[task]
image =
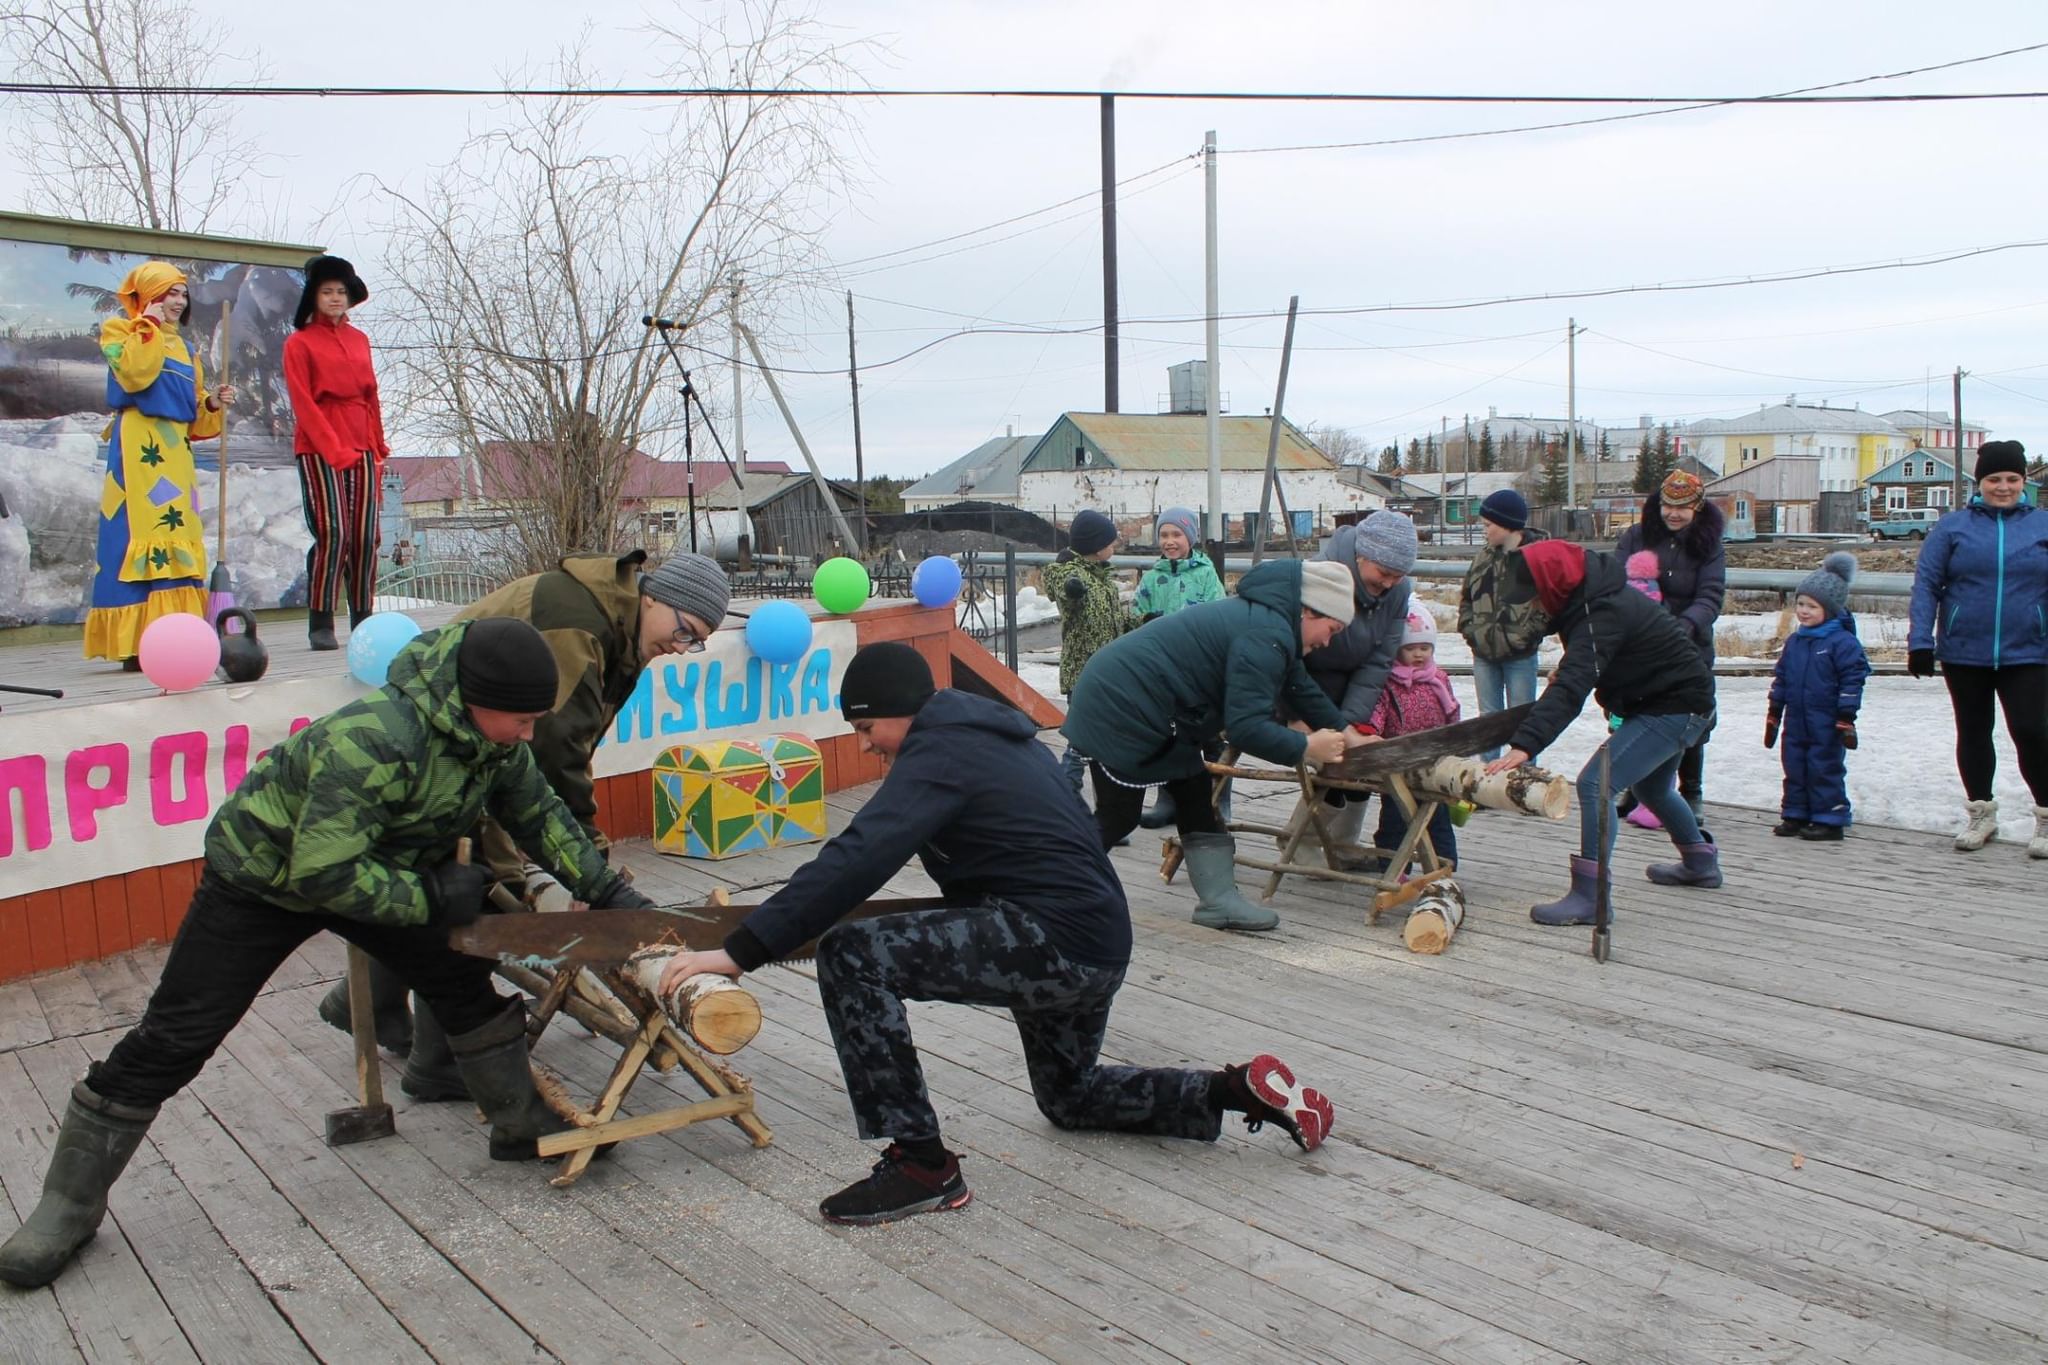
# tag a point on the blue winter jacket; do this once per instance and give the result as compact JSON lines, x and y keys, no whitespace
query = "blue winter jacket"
{"x":1980,"y":594}
{"x":976,"y":797}
{"x":1819,"y":678}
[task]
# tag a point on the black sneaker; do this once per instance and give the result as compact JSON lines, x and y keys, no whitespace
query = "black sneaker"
{"x":1788,"y":828}
{"x":1822,"y":833}
{"x":897,"y":1188}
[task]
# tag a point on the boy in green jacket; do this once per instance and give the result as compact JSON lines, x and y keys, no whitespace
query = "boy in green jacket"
{"x":1083,"y":587}
{"x":348,"y":826}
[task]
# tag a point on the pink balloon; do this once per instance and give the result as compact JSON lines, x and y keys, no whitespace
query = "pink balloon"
{"x":179,"y":652}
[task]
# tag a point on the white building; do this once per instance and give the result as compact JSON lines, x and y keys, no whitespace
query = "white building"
{"x":1849,"y":444}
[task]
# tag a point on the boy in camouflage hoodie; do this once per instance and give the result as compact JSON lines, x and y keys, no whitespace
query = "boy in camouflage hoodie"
{"x":1504,"y":635}
{"x":348,"y":826}
{"x":1091,"y":606}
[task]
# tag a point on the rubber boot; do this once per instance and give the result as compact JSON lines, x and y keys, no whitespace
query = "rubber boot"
{"x":1346,"y":824}
{"x":1212,"y":870}
{"x":1161,"y":813}
{"x":1700,"y":865}
{"x":1983,"y":826}
{"x":2037,"y":847}
{"x":1580,"y":905}
{"x":430,"y":1070}
{"x":93,"y":1147}
{"x":320,"y":630}
{"x":494,"y":1065}
{"x":387,"y":1008}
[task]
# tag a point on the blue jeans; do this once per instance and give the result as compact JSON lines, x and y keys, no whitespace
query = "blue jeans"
{"x":1502,"y":683}
{"x":1644,"y":754}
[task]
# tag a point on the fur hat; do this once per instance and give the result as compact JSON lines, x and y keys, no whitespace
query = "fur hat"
{"x":1420,"y":628}
{"x":319,"y":271}
{"x":1326,"y":590}
{"x":1505,"y":508}
{"x":1681,"y":489}
{"x":1643,"y":574}
{"x":1829,"y":584}
{"x":1387,"y":539}
{"x":2001,"y":457}
{"x":1190,"y":526}
{"x":1091,"y":531}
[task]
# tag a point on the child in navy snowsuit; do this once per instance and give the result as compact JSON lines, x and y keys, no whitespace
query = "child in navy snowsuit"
{"x":1816,"y":691}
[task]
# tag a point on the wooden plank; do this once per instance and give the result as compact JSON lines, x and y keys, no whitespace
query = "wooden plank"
{"x":110,"y":913}
{"x":122,"y":988}
{"x":33,"y":1326}
{"x":81,"y":923}
{"x":180,"y":881}
{"x":17,"y":959}
{"x":977,"y":670}
{"x":146,"y":907}
{"x":223,"y":1307}
{"x":22,"y":1023}
{"x":46,"y":930}
{"x":70,"y":1003}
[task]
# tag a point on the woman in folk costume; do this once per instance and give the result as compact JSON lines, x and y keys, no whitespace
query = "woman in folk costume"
{"x":340,"y":445}
{"x":152,"y":550}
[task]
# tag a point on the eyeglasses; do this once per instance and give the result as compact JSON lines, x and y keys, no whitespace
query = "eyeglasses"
{"x":686,"y":640}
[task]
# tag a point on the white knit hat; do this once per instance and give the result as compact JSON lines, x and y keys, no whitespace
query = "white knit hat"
{"x":1421,"y":627}
{"x":1326,"y":590}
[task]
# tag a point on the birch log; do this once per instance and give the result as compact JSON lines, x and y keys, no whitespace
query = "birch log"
{"x":719,"y":1014}
{"x":1532,"y":791}
{"x":1435,"y":918}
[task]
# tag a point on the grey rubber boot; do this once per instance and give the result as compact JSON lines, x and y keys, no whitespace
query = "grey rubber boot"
{"x":387,"y":1007}
{"x":1580,"y":905}
{"x":430,"y":1070}
{"x":1700,"y":866}
{"x":93,"y":1147}
{"x":1213,"y":873}
{"x":494,"y":1065}
{"x":1161,"y":813}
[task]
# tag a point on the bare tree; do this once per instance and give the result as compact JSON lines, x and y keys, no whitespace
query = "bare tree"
{"x":519,"y":272}
{"x":1341,"y":444}
{"x":128,"y":144}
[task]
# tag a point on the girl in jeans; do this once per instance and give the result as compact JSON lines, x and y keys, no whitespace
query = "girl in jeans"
{"x":1503,"y":634}
{"x":1642,"y":668}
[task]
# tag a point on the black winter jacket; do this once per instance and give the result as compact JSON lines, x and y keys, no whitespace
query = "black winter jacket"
{"x":1621,"y":647}
{"x":1692,"y":566}
{"x":975,"y":796}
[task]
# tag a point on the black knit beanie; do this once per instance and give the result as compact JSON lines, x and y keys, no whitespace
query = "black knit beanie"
{"x":2001,"y":457}
{"x":503,"y":664}
{"x":883,"y":680}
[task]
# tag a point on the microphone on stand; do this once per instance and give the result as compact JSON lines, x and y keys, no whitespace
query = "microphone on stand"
{"x":662,"y":324}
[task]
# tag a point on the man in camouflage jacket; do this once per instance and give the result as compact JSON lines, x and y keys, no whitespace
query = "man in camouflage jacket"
{"x":348,"y":826}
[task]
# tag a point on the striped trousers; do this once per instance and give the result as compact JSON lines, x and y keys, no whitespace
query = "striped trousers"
{"x":341,"y":512}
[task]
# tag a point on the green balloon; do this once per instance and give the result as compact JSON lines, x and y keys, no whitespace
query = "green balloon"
{"x":840,"y":585}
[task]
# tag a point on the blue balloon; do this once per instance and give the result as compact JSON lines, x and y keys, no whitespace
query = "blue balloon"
{"x":935,"y":582}
{"x":779,"y":632}
{"x":376,"y":642}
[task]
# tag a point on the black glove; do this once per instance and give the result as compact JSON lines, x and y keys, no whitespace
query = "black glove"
{"x":1772,"y":718}
{"x":456,"y":893}
{"x":1845,"y":726}
{"x":1920,"y":663}
{"x":1074,"y":588}
{"x":620,"y":895}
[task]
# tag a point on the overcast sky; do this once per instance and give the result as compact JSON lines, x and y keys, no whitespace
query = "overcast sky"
{"x":1700,"y":195}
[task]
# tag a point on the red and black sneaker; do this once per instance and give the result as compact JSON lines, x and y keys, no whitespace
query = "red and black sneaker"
{"x":897,"y":1188}
{"x":1307,"y":1115}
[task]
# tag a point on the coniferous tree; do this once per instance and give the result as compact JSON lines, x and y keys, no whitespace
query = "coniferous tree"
{"x":1553,"y":489}
{"x":1486,"y":450}
{"x":1604,"y":451}
{"x":1390,"y":458}
{"x":1414,"y":453}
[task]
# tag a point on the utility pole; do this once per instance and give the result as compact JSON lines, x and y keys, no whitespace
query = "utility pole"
{"x":739,"y":407}
{"x":1571,"y":421}
{"x":1272,"y":479}
{"x":1465,"y":465}
{"x":1958,"y":452}
{"x":860,"y":478}
{"x":1109,"y":358}
{"x":1213,"y":398}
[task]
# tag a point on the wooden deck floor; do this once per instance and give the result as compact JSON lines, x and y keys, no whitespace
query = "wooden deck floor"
{"x":1797,"y":1119}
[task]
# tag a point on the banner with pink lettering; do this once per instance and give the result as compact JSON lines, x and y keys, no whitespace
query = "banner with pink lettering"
{"x":95,"y":791}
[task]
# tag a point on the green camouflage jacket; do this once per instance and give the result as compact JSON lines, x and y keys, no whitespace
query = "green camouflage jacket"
{"x":344,"y":816}
{"x":1087,"y":621}
{"x":1496,"y":629}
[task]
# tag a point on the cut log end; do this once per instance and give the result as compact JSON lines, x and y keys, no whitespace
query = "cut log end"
{"x":1426,"y":932}
{"x":719,"y":1015}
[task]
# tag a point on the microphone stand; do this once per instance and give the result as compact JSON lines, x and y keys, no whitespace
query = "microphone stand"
{"x":661,"y":327}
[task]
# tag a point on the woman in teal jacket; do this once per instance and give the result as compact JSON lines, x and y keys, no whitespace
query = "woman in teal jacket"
{"x":1980,"y":606}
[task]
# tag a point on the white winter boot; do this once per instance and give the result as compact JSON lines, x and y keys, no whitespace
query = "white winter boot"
{"x":1983,"y":827}
{"x":2037,"y":847}
{"x":1345,"y":823}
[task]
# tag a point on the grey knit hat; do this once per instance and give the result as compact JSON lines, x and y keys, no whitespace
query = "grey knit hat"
{"x":690,"y":583}
{"x":1829,"y":584}
{"x":1388,"y":539}
{"x":1326,"y":590}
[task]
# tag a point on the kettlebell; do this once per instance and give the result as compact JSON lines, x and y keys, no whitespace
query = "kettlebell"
{"x":243,"y":658}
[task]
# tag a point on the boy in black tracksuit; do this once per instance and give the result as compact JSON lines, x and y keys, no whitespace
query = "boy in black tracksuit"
{"x":1038,"y":924}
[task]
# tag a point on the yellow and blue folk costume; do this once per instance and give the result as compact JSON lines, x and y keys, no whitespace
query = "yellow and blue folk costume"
{"x":152,"y":549}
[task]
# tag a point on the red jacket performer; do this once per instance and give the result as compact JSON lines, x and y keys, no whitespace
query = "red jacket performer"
{"x":340,"y":444}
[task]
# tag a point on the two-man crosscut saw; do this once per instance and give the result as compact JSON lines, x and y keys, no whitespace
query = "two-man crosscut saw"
{"x":606,"y":938}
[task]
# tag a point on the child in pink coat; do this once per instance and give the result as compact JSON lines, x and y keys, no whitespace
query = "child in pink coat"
{"x":1417,"y":696}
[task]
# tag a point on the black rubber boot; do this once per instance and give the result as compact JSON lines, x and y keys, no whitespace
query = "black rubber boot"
{"x":93,"y":1147}
{"x":387,"y":1008}
{"x":1162,"y":812}
{"x":320,"y":630}
{"x":494,"y":1065}
{"x":430,"y":1070}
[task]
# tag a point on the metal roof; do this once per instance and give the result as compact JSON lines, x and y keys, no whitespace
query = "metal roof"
{"x":1915,"y":417}
{"x":1782,"y":478}
{"x":987,"y":471}
{"x":1789,"y":419}
{"x":1176,"y":441}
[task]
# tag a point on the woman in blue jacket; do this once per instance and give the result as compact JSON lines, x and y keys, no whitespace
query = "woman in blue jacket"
{"x":1980,"y":606}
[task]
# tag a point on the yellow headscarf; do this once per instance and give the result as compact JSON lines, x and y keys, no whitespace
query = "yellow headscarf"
{"x":147,"y":283}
